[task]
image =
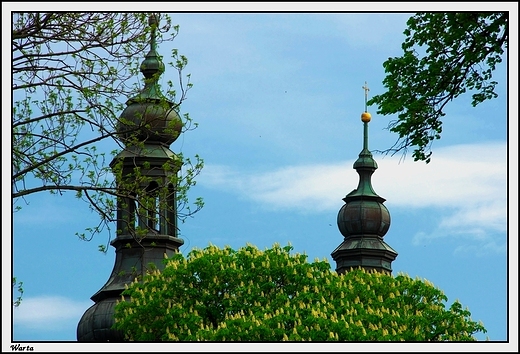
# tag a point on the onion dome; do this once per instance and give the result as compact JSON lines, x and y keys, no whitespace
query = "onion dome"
{"x":150,"y":116}
{"x":363,"y":220}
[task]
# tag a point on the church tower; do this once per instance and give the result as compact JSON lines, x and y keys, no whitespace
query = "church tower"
{"x":146,"y":174}
{"x":363,"y":220}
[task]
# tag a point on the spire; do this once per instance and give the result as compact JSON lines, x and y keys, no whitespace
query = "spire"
{"x":365,"y":118}
{"x":152,"y":66}
{"x":363,"y":220}
{"x":365,"y":164}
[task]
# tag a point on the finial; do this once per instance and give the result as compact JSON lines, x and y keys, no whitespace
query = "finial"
{"x":366,"y":94}
{"x":152,"y":66}
{"x":365,"y":116}
{"x":153,"y":22}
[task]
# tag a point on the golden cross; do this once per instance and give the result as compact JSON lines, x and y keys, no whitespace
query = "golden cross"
{"x":366,"y":94}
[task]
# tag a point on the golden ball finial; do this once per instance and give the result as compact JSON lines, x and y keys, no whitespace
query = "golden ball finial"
{"x":365,"y":117}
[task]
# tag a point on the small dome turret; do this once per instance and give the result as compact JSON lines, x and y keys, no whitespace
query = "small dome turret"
{"x":363,"y":220}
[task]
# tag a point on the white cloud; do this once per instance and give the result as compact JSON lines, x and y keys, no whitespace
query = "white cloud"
{"x":457,"y":176}
{"x":492,"y":214}
{"x":465,"y":185}
{"x":314,"y":188}
{"x":46,"y":313}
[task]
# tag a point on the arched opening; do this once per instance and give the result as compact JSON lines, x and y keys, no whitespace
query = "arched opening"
{"x":171,"y":212}
{"x":150,"y":219}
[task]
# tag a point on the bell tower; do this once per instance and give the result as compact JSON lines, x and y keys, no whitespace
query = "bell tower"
{"x":146,"y":176}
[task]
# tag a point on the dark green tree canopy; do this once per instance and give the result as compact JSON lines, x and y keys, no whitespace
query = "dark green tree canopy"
{"x":445,"y":55}
{"x":219,"y":294}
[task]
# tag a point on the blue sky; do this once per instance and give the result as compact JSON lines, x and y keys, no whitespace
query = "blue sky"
{"x":278,"y":98}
